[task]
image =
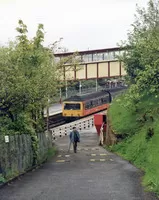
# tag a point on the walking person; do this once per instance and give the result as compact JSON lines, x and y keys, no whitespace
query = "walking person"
{"x":74,"y":138}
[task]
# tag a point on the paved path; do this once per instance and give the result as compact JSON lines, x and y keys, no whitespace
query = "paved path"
{"x":91,"y":174}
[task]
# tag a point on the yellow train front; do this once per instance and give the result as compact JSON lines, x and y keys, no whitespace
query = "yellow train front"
{"x":82,"y":105}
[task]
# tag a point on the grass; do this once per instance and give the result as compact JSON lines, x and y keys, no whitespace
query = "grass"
{"x":138,"y":146}
{"x":51,"y":153}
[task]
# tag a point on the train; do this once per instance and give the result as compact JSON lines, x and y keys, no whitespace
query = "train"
{"x":79,"y":106}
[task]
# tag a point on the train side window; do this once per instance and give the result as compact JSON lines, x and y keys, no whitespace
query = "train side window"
{"x":99,"y":102}
{"x":87,"y":105}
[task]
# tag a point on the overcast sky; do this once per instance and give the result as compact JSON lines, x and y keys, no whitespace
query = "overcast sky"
{"x":83,"y":24}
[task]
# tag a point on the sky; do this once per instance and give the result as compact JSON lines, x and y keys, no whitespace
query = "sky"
{"x":83,"y":24}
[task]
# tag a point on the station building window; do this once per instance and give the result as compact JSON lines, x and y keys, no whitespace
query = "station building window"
{"x":95,"y":57}
{"x":100,"y":56}
{"x":117,"y":53}
{"x":87,"y":58}
{"x":106,"y":56}
{"x":79,"y":58}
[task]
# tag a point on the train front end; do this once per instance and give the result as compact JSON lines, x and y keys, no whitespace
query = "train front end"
{"x":72,"y":110}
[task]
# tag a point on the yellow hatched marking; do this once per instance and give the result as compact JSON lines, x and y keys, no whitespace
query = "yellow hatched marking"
{"x":60,"y":161}
{"x":103,"y":154}
{"x":93,"y":154}
{"x":92,"y":160}
{"x":102,"y":160}
{"x":59,"y":156}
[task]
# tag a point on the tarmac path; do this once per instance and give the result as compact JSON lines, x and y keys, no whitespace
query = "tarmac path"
{"x":91,"y":174}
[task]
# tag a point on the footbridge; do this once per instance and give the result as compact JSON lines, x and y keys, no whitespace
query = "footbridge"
{"x":93,"y":64}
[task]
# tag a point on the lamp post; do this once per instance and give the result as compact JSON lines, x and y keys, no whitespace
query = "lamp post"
{"x":80,"y":87}
{"x":66,"y":89}
{"x":96,"y":84}
{"x":60,"y":96}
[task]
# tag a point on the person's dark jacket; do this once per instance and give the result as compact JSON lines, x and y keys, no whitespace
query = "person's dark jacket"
{"x":75,"y":136}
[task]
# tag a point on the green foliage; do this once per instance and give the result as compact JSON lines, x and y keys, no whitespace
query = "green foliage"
{"x":141,"y":59}
{"x":28,"y":77}
{"x":35,"y":147}
{"x":120,"y":111}
{"x":2,"y":179}
{"x":140,"y":132}
{"x":51,"y":152}
{"x":135,"y":115}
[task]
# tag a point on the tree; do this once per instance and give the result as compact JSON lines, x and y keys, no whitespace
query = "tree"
{"x":28,"y":76}
{"x":142,"y":55}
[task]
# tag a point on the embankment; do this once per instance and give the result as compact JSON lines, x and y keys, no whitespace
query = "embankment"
{"x":137,"y":131}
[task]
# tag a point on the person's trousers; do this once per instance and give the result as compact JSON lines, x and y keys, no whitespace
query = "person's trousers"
{"x":75,"y":147}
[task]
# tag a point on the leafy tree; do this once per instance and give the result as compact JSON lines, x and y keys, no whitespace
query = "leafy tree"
{"x":142,"y":56}
{"x":29,"y":76}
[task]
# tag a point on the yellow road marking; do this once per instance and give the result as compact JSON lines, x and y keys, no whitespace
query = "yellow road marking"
{"x":93,"y":154}
{"x":102,"y":160}
{"x":92,"y":160}
{"x":60,"y":161}
{"x":103,"y":154}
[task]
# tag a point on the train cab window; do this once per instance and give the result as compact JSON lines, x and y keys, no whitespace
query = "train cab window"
{"x":72,"y":106}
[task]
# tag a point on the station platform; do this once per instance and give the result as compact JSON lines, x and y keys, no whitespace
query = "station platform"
{"x":54,"y":109}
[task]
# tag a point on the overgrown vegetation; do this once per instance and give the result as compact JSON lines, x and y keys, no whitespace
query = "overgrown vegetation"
{"x":29,"y":80}
{"x":135,"y":115}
